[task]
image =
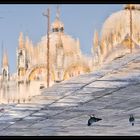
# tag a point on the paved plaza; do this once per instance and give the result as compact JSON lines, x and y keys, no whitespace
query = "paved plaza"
{"x":111,"y":93}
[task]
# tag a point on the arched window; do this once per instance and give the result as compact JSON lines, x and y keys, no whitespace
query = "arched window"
{"x":55,"y":29}
{"x":4,"y":73}
{"x":61,"y":29}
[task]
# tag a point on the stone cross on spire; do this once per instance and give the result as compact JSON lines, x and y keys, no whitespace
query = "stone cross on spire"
{"x":58,"y":13}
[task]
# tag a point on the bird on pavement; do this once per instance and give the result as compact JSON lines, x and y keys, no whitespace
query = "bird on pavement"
{"x":93,"y":119}
{"x":132,"y":119}
{"x":2,"y":110}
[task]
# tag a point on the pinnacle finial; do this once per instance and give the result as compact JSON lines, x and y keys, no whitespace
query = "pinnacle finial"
{"x":58,"y":12}
{"x":5,"y":58}
{"x":21,"y":40}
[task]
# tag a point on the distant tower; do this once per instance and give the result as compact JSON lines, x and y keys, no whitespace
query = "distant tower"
{"x":58,"y":26}
{"x":5,"y":67}
{"x":95,"y":49}
{"x":59,"y":60}
{"x":59,"y":66}
{"x":22,"y":64}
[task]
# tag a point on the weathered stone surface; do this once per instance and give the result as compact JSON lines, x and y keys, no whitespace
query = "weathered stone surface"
{"x":111,"y":93}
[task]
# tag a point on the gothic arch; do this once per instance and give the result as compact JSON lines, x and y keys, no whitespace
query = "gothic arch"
{"x":75,"y":70}
{"x":39,"y":69}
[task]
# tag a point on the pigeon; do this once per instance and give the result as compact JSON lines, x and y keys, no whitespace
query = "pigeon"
{"x":132,"y":119}
{"x":93,"y":119}
{"x":2,"y":110}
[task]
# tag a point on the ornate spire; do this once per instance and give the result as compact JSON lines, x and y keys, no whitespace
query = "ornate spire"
{"x":95,"y":40}
{"x":5,"y":59}
{"x":21,"y":41}
{"x":58,"y":13}
{"x":102,"y":45}
{"x":27,"y":43}
{"x":57,"y":25}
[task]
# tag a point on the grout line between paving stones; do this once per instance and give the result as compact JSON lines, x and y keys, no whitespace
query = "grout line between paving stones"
{"x":70,"y":93}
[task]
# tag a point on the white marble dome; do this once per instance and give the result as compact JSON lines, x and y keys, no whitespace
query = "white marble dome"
{"x":118,"y":24}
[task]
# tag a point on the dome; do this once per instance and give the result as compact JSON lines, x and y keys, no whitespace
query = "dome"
{"x":69,"y":43}
{"x":117,"y":26}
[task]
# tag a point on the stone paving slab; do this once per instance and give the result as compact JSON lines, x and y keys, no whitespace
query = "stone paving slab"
{"x":111,"y":93}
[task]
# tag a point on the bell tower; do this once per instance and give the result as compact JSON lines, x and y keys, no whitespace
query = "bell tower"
{"x":21,"y":59}
{"x":59,"y":65}
{"x":57,"y":25}
{"x":5,"y":67}
{"x":59,"y":60}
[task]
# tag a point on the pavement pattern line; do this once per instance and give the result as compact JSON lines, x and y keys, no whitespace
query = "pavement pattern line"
{"x":63,"y":111}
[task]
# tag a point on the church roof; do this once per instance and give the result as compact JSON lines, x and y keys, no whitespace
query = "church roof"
{"x":118,"y":24}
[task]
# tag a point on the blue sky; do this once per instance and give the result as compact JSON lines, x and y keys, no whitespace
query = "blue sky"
{"x":80,"y":20}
